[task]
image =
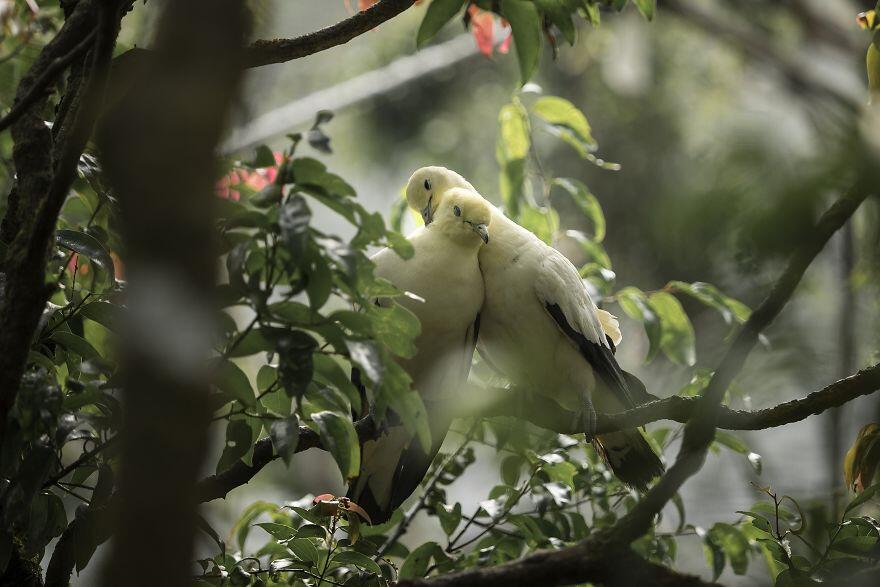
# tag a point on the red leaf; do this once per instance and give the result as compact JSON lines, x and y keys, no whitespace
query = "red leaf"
{"x":482,"y":28}
{"x":353,"y":507}
{"x":323,"y":497}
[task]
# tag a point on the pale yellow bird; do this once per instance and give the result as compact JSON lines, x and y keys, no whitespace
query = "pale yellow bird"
{"x":540,"y":328}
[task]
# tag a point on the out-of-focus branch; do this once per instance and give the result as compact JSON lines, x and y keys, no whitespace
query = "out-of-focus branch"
{"x":157,"y":145}
{"x":551,"y":416}
{"x":760,"y":50}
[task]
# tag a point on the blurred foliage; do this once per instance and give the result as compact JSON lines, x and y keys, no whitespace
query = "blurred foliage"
{"x":298,"y":300}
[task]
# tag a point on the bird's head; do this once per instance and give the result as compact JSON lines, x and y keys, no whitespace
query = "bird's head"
{"x":464,"y":216}
{"x":426,"y":187}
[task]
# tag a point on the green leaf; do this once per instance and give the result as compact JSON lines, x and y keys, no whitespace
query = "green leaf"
{"x":587,"y":202}
{"x":560,"y":12}
{"x":449,"y":516}
{"x":352,"y":557}
{"x":396,"y":328}
{"x":366,"y":355}
{"x":87,"y":246}
{"x":416,"y":564}
{"x":396,"y":392}
{"x":294,"y":223}
{"x":861,"y":498}
{"x":75,"y":344}
{"x":511,"y":150}
{"x":104,"y":313}
{"x":647,"y":8}
{"x":339,"y":437}
{"x":759,"y":521}
{"x":677,"y":338}
{"x":561,"y":112}
{"x":285,"y":436}
{"x":238,"y":442}
{"x":731,"y":442}
{"x":734,"y":544}
{"x":230,"y":379}
{"x":525,"y":24}
{"x":438,"y":14}
{"x":304,"y":549}
{"x":263,"y":157}
{"x":242,"y":527}
{"x":708,"y":294}
{"x":634,"y":302}
{"x":278,"y":531}
{"x":295,"y":367}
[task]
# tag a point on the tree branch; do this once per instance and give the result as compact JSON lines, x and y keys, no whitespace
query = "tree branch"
{"x":546,"y":414}
{"x":597,"y":557}
{"x":267,"y":52}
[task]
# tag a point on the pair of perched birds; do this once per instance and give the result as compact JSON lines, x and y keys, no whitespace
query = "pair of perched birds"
{"x":488,"y":283}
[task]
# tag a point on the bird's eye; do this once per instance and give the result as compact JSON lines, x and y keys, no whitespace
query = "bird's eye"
{"x":427,"y":184}
{"x":456,"y":210}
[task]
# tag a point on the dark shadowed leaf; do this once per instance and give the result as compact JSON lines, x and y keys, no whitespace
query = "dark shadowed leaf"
{"x":525,"y":23}
{"x":339,"y":437}
{"x":439,"y":13}
{"x":238,"y":443}
{"x":87,"y":246}
{"x":285,"y":436}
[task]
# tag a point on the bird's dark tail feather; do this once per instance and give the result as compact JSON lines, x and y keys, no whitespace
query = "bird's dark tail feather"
{"x":630,"y":457}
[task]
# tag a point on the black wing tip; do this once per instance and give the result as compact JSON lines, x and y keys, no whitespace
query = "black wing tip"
{"x":378,"y":514}
{"x":638,"y":466}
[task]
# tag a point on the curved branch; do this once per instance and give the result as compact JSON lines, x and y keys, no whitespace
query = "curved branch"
{"x":281,"y":50}
{"x":547,"y":414}
{"x":267,"y":52}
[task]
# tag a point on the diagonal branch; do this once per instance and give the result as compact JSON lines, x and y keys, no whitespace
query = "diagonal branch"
{"x":267,"y":52}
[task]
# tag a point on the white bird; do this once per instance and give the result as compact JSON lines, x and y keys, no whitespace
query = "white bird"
{"x":444,"y":272}
{"x":540,"y":328}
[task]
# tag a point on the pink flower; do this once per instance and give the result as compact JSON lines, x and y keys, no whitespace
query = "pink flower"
{"x":255,"y":180}
{"x":483,"y":30}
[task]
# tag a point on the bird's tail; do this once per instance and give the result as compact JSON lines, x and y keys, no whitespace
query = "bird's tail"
{"x":630,"y":457}
{"x":392,"y":467}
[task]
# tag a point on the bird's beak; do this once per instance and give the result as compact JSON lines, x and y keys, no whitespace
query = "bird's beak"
{"x":427,"y":212}
{"x":483,"y":231}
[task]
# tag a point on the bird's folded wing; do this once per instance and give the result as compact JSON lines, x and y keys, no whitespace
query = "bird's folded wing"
{"x":562,"y":293}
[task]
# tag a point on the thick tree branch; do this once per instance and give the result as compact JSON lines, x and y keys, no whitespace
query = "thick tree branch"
{"x":41,"y":188}
{"x":591,"y":560}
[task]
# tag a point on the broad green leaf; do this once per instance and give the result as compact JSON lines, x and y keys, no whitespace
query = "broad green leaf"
{"x":242,"y":527}
{"x":104,"y":313}
{"x":731,"y":442}
{"x":561,"y":112}
{"x":587,"y":202}
{"x":635,"y":303}
{"x":416,"y":564}
{"x":304,"y":549}
{"x":331,"y":372}
{"x":438,"y":14}
{"x":263,"y":157}
{"x":677,"y":338}
{"x":734,"y":544}
{"x":396,"y":328}
{"x":294,"y":224}
{"x":87,"y":246}
{"x":339,"y":437}
{"x":647,"y":8}
{"x":285,"y":437}
{"x":525,"y":24}
{"x":351,"y":557}
{"x":278,"y":531}
{"x":560,"y":12}
{"x":295,"y":367}
{"x":230,"y":379}
{"x":861,"y":498}
{"x":396,"y":392}
{"x":239,"y":438}
{"x":75,"y":344}
{"x":449,"y":516}
{"x":367,"y":357}
{"x":708,"y":294}
{"x":511,"y":150}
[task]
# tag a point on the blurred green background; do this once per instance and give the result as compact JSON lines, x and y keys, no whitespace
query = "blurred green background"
{"x":732,"y":122}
